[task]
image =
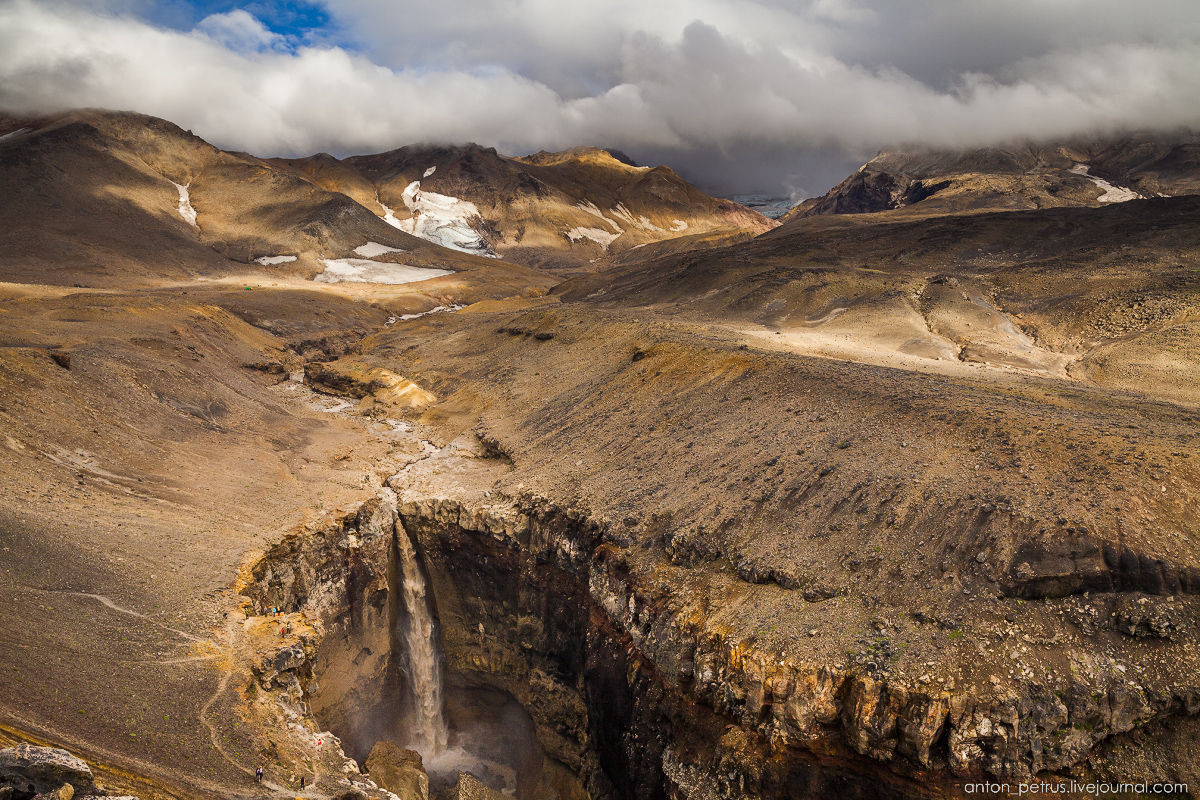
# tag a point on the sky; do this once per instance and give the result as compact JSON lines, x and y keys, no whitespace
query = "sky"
{"x":783,"y":97}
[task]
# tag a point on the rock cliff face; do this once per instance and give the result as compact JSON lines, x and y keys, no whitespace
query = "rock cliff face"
{"x":512,"y":597}
{"x":644,"y":686}
{"x":1057,"y":568}
{"x":342,"y":577}
{"x":637,"y":687}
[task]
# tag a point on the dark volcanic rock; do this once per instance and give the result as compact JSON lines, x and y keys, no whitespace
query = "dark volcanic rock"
{"x":42,"y":770}
{"x":1144,"y":617}
{"x":1056,"y":567}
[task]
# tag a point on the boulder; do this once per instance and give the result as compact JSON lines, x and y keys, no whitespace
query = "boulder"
{"x":471,"y":788}
{"x":1144,"y":616}
{"x":398,"y":770}
{"x":64,"y":792}
{"x":43,"y":770}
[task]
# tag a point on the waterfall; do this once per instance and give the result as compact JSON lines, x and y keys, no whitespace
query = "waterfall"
{"x":430,"y":734}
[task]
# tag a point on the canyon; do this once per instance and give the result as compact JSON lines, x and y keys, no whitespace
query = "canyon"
{"x":870,"y":505}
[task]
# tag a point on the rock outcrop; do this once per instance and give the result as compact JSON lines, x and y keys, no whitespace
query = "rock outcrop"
{"x":355,"y":379}
{"x":398,"y":770}
{"x":31,"y":770}
{"x":341,"y":577}
{"x":470,"y":788}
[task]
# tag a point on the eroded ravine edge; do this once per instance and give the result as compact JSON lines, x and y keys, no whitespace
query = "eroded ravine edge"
{"x":691,"y":698}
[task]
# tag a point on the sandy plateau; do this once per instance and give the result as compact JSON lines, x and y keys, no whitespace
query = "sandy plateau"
{"x":870,"y":504}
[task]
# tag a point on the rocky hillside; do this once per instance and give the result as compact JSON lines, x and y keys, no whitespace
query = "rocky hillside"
{"x":100,"y":198}
{"x":559,"y":211}
{"x":1019,"y":176}
{"x":1108,"y":294}
{"x":97,"y":197}
{"x":867,"y":506}
{"x":726,"y":564}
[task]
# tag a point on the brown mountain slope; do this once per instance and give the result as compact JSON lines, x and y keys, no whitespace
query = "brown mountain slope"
{"x":561,"y":211}
{"x":76,"y":208}
{"x":1028,"y":175}
{"x":813,"y":518}
{"x":1110,"y":295}
{"x":701,"y":558}
{"x":862,"y":581}
{"x":97,"y":198}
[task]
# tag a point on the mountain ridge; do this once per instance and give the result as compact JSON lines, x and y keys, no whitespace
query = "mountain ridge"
{"x":560,"y":211}
{"x":566,"y":211}
{"x":1022,"y":175}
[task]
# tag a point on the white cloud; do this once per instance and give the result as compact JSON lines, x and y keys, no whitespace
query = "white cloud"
{"x":692,"y":83}
{"x":240,"y":31}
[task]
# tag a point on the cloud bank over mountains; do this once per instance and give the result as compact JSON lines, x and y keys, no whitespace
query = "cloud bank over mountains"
{"x":742,"y":95}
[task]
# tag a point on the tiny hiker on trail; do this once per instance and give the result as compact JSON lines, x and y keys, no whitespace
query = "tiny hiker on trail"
{"x":258,"y":774}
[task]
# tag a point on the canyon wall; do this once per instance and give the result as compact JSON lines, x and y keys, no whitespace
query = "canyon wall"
{"x":636,"y":688}
{"x":342,"y":577}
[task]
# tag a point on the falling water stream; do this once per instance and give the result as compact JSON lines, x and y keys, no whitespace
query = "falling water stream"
{"x":430,"y":734}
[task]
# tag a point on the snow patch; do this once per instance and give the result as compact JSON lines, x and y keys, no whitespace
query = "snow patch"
{"x":1112,"y":194}
{"x":443,"y":220}
{"x":11,"y":134}
{"x":678,"y":225}
{"x":185,"y":204}
{"x":640,"y":221}
{"x":361,"y":270}
{"x":429,"y":172}
{"x":375,"y":249}
{"x":268,"y":261}
{"x":450,"y":309}
{"x":594,"y":210}
{"x":597,"y":235}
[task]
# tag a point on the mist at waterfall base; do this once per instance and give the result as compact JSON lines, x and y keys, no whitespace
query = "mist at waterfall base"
{"x":457,"y":727}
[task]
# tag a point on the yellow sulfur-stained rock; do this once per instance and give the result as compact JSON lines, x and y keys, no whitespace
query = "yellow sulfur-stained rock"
{"x":349,"y":377}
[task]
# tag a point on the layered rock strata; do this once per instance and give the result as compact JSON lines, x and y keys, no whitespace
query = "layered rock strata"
{"x":639,"y":687}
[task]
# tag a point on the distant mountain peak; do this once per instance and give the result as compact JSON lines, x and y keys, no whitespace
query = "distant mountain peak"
{"x":583,"y":154}
{"x":1017,"y":175}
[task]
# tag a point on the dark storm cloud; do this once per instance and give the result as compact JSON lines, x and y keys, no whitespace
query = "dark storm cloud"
{"x":738,"y":95}
{"x":936,"y":41}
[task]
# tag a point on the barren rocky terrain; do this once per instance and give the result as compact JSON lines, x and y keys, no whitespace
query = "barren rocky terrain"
{"x":870,"y":505}
{"x":1026,"y":175}
{"x":564,"y":212}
